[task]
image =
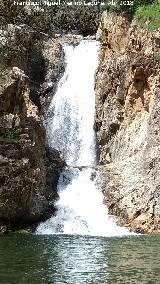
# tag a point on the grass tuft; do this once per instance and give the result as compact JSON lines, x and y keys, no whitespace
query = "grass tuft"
{"x":13,"y":135}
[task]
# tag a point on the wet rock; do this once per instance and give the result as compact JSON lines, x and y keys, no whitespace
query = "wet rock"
{"x":3,"y":230}
{"x":29,"y":170}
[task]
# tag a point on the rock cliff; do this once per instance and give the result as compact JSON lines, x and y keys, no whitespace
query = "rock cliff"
{"x":31,"y":65}
{"x":127,"y":121}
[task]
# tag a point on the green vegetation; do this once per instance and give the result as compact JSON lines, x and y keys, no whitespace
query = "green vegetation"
{"x":79,"y":19}
{"x":148,"y":16}
{"x":128,"y":6}
{"x":13,"y":135}
{"x":157,"y":56}
{"x":51,"y":19}
{"x":146,"y":12}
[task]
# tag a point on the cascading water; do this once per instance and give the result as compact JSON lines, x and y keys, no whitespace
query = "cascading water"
{"x":80,"y":208}
{"x":70,"y":125}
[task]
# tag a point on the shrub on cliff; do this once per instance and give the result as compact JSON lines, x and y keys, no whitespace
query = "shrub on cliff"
{"x":128,"y":6}
{"x":148,"y":16}
{"x":13,"y":134}
{"x":145,"y":12}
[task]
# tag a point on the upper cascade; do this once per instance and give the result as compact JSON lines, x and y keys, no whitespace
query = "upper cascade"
{"x":71,"y":113}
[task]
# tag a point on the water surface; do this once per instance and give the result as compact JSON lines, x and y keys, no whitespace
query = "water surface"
{"x":78,"y":259}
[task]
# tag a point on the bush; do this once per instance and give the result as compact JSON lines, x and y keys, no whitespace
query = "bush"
{"x":156,"y":56}
{"x":148,"y":16}
{"x":13,"y":135}
{"x":127,"y":6}
{"x":64,"y":18}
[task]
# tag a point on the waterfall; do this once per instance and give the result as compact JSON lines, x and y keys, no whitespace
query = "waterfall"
{"x":71,"y":113}
{"x":80,"y":208}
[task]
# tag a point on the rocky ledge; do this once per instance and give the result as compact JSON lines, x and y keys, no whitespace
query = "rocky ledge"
{"x":31,"y":65}
{"x":127,"y":121}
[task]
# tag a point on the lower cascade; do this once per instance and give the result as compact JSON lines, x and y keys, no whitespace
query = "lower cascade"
{"x":70,"y":118}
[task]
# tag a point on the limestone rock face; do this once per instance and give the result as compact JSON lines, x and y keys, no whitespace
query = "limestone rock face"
{"x":39,"y":56}
{"x":29,"y":170}
{"x":127,"y":121}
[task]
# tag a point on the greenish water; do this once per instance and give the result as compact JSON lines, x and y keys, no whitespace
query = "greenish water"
{"x":78,"y":259}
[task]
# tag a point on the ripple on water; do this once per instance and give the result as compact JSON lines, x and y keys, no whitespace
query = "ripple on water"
{"x":68,"y":259}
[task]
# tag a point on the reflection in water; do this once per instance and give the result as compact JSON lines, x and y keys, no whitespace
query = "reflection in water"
{"x":80,"y":260}
{"x":68,"y":259}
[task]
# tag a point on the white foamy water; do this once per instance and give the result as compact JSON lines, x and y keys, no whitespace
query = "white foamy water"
{"x":71,"y":113}
{"x":80,"y":208}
